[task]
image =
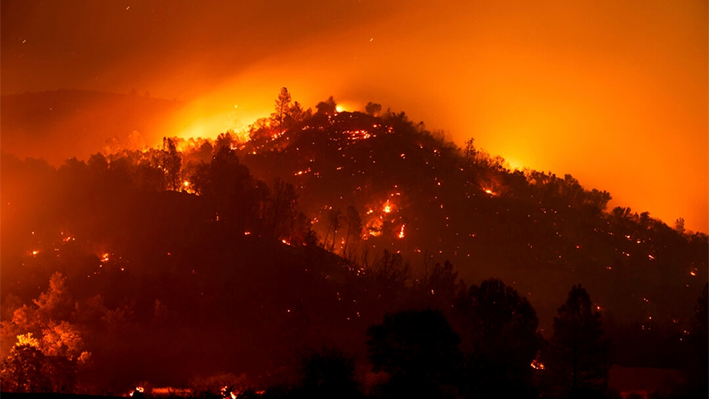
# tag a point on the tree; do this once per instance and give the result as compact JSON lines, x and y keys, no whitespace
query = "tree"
{"x":333,"y":218}
{"x":228,"y":186}
{"x":328,"y":374}
{"x":328,"y":107}
{"x":500,"y":340}
{"x":354,"y":226}
{"x":22,"y":370}
{"x":437,"y":287}
{"x":470,"y":152}
{"x":169,"y":160}
{"x":56,"y":302}
{"x":282,"y":108}
{"x":282,"y":209}
{"x":576,"y":357}
{"x":417,"y":348}
{"x":373,"y":109}
{"x":296,"y":114}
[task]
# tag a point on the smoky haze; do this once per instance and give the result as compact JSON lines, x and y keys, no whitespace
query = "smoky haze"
{"x":612,"y":93}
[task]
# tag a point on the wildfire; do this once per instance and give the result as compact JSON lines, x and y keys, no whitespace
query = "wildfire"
{"x":693,"y":273}
{"x":105,"y":257}
{"x":27,"y":339}
{"x":35,"y":252}
{"x":387,"y":207}
{"x":401,"y":233}
{"x":537,"y":365}
{"x":489,"y":191}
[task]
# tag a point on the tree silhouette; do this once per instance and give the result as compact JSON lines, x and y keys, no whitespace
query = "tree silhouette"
{"x":328,"y":374}
{"x":417,"y":348}
{"x":23,"y":370}
{"x":169,"y":160}
{"x":373,"y":109}
{"x":576,"y":357}
{"x":500,"y":340}
{"x":354,"y":226}
{"x":334,"y":219}
{"x":282,"y":108}
{"x":679,"y":225}
{"x":438,"y":286}
{"x":328,"y":107}
{"x":227,"y":185}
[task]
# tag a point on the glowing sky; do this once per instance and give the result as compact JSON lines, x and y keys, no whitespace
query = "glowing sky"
{"x":612,"y":92}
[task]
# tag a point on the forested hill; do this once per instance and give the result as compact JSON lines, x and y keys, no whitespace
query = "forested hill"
{"x":422,"y":196}
{"x":306,"y":235}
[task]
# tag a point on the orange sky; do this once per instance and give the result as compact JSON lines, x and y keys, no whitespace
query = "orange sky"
{"x":613,"y":92}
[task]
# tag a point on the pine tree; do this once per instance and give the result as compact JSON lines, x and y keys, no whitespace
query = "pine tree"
{"x":282,"y":108}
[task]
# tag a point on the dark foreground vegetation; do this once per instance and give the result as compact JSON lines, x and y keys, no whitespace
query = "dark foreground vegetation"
{"x":336,"y":255}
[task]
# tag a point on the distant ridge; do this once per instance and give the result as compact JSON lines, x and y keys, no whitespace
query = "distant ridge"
{"x":57,"y":125}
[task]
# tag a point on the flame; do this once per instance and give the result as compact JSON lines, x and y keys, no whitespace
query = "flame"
{"x":537,"y":365}
{"x":489,"y":191}
{"x":693,"y":273}
{"x":35,"y":252}
{"x":104,"y":257}
{"x":401,"y":233}
{"x":387,"y":207}
{"x":27,"y":339}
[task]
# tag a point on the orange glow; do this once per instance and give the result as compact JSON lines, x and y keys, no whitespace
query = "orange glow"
{"x":693,"y":273}
{"x":27,"y":339}
{"x":387,"y":207}
{"x":401,"y":233}
{"x":557,"y":92}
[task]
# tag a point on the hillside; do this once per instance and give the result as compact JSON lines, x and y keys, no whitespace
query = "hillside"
{"x":202,"y":258}
{"x":538,"y":231}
